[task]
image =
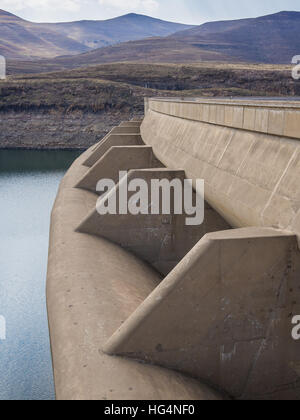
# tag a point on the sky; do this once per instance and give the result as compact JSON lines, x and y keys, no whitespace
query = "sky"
{"x":186,"y":11}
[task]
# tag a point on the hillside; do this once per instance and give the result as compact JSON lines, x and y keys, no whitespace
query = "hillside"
{"x":206,"y":79}
{"x":74,"y":109}
{"x":268,"y":39}
{"x":20,"y":39}
{"x":153,"y":50}
{"x":97,"y":34}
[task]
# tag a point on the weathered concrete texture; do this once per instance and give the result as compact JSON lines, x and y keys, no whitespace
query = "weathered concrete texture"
{"x":111,"y":140}
{"x":251,"y":179}
{"x":224,"y":315}
{"x":92,"y":287}
{"x":161,"y":240}
{"x":116,"y":159}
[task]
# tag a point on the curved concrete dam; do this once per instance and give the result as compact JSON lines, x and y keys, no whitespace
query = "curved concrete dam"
{"x":147,"y":307}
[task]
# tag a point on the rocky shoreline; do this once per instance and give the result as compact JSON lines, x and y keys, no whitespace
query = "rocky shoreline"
{"x":55,"y":130}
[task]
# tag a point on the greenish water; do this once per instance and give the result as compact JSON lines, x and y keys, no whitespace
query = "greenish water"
{"x":28,"y":186}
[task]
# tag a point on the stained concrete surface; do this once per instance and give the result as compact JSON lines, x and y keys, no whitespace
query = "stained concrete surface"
{"x":236,"y":290}
{"x":92,"y":287}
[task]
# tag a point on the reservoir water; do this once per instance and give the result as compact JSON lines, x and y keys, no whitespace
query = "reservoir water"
{"x":28,"y":186}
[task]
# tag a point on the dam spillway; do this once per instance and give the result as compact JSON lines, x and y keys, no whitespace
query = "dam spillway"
{"x":141,"y":307}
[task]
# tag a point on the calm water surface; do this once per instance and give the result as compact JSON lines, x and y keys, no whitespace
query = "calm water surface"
{"x":28,"y":186}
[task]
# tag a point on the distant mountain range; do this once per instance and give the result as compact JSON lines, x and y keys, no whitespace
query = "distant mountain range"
{"x":272,"y":39}
{"x":20,"y":39}
{"x":267,"y":39}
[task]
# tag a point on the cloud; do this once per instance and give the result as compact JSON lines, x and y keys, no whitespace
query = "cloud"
{"x":146,"y":6}
{"x":65,"y":5}
{"x":77,"y":5}
{"x":65,"y":10}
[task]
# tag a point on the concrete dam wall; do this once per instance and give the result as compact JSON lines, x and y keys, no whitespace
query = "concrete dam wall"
{"x":247,"y":153}
{"x":146,"y":307}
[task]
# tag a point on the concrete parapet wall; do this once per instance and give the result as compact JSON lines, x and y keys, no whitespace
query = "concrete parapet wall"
{"x":251,"y":175}
{"x":269,"y":117}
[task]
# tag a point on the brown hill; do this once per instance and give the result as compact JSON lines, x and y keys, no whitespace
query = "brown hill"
{"x":130,"y":27}
{"x":20,"y":39}
{"x":267,"y":39}
{"x":147,"y":50}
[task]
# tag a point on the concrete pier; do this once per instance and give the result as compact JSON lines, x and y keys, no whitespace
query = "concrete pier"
{"x":109,"y":141}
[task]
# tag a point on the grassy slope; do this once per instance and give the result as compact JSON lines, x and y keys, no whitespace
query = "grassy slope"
{"x":123,"y":86}
{"x":74,"y":109}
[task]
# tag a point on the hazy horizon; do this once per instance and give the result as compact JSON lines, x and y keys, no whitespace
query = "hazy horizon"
{"x":183,"y":11}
